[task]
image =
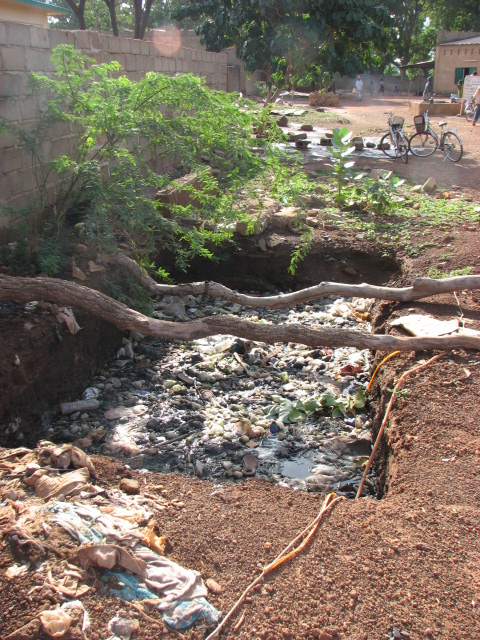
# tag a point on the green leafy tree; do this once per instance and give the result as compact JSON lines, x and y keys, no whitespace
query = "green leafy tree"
{"x":282,"y":38}
{"x":124,"y":130}
{"x":450,"y":15}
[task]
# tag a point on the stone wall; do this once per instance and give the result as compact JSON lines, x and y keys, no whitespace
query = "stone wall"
{"x":25,"y":48}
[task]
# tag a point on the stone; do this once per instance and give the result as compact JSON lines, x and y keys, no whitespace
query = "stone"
{"x":213,"y":586}
{"x":286,"y":219}
{"x":306,"y":127}
{"x":283,"y":121}
{"x":430,"y":186}
{"x":129,"y":486}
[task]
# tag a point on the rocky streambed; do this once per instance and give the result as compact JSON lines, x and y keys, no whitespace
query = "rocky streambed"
{"x":223,"y":408}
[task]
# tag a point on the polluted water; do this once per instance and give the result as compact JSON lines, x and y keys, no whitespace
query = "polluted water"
{"x":224,"y":409}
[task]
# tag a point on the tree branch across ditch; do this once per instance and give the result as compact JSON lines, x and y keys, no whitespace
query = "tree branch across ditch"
{"x":421,"y":288}
{"x":66,"y":293}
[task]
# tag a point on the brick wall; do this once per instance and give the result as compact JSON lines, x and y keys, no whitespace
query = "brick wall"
{"x":25,"y":48}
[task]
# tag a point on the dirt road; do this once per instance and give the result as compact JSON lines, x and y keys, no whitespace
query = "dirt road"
{"x":367,"y":118}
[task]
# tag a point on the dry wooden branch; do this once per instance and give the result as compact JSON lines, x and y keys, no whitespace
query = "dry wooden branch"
{"x":397,"y":386}
{"x":68,"y":293}
{"x":421,"y":288}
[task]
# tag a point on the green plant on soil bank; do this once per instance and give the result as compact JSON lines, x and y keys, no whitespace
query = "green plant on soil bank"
{"x":436,"y":273}
{"x":125,"y":133}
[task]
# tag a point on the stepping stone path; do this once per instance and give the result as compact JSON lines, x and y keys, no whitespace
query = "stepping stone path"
{"x":207,"y":407}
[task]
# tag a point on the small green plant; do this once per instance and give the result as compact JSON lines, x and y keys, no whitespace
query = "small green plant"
{"x":341,"y":150}
{"x":437,"y":274}
{"x":298,"y":411}
{"x":381,"y":193}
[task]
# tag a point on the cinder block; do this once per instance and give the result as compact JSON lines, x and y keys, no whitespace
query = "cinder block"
{"x":39,"y":38}
{"x":18,"y":34}
{"x":13,"y":59}
{"x":7,"y":141}
{"x":3,"y":33}
{"x":35,"y":60}
{"x":114,"y":44}
{"x":126,"y":45}
{"x":181,"y":53}
{"x":130,"y":63}
{"x":148,"y":63}
{"x":22,"y":181}
{"x":136,"y":46}
{"x":12,"y":160}
{"x":82,"y":40}
{"x":56,"y":37}
{"x":60,"y":147}
{"x":12,"y":84}
{"x":121,"y":58}
{"x":29,"y":109}
{"x":159,"y":64}
{"x":21,"y":200}
{"x":146,"y":48}
{"x":95,"y":40}
{"x":10,"y":110}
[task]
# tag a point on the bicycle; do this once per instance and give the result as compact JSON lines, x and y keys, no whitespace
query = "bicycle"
{"x":394,"y":144}
{"x":425,"y":141}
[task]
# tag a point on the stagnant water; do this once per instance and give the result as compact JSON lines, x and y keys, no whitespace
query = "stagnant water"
{"x":223,"y":409}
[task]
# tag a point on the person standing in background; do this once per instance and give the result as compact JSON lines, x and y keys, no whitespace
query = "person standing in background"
{"x":381,"y":89}
{"x":359,"y":87}
{"x":476,"y":101}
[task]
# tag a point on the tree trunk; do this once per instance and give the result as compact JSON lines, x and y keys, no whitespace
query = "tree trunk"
{"x":79,"y":12}
{"x":113,"y":15}
{"x":65,"y":293}
{"x":141,"y":17}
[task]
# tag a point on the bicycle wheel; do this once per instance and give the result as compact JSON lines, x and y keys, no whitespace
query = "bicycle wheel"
{"x":387,"y":145}
{"x":469,"y":114}
{"x":422,"y":144}
{"x":452,"y":146}
{"x":403,"y":146}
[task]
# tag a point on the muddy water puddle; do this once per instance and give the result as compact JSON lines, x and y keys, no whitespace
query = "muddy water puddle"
{"x":224,"y":409}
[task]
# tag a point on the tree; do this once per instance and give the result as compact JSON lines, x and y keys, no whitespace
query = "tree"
{"x":79,"y":12}
{"x":451,"y":15}
{"x":113,"y":15}
{"x":284,"y":37}
{"x":141,"y":13}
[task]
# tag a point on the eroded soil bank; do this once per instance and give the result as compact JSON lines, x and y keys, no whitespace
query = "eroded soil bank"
{"x":408,"y":561}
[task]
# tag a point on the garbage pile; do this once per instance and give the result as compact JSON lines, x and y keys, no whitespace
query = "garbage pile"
{"x":117,"y":542}
{"x":223,"y":408}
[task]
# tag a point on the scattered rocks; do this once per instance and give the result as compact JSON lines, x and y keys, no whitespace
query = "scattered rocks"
{"x":210,"y":408}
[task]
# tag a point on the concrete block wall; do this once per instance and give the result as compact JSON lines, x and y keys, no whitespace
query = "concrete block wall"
{"x":25,"y":48}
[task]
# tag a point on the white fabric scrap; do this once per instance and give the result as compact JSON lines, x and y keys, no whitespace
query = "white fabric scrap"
{"x":66,"y":315}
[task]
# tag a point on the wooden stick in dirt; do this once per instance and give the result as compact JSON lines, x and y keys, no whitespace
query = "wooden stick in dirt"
{"x":421,"y":288}
{"x":387,"y":413}
{"x":66,"y":293}
{"x":282,"y":557}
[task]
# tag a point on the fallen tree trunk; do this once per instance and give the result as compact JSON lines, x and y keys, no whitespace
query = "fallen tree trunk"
{"x":421,"y":288}
{"x":65,"y":293}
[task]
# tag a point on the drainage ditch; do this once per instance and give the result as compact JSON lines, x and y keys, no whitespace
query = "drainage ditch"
{"x":224,"y":409}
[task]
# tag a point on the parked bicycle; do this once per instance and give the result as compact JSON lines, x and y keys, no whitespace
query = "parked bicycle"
{"x":425,"y":141}
{"x":394,"y":144}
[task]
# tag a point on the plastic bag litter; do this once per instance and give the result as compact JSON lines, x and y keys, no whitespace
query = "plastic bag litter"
{"x":108,"y":556}
{"x":62,"y":457}
{"x":47,"y":487}
{"x":66,"y":315}
{"x":178,"y":614}
{"x":55,"y":622}
{"x":123,"y":627}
